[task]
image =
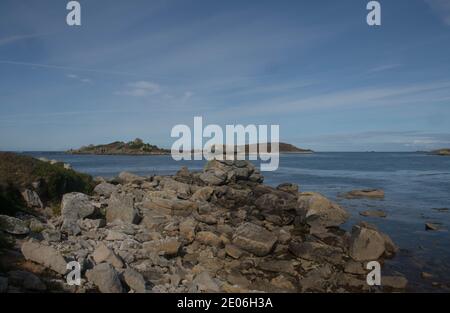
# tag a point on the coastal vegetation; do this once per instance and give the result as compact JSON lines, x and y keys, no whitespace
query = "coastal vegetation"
{"x":50,"y":181}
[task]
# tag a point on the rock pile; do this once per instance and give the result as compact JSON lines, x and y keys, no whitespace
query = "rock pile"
{"x":219,"y":230}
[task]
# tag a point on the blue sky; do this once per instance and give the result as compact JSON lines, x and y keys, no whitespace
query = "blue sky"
{"x":136,"y":68}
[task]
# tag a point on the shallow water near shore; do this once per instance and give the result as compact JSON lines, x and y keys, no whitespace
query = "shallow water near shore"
{"x":415,"y":184}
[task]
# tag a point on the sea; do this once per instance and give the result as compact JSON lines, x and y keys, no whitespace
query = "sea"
{"x":416,"y":185}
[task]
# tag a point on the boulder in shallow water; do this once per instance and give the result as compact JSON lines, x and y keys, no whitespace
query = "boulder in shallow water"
{"x":365,"y":193}
{"x":369,"y":244}
{"x":319,"y":212}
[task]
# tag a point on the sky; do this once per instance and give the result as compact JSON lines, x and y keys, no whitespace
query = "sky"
{"x":137,"y":68}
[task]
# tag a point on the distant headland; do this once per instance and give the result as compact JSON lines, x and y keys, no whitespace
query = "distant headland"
{"x":443,"y":152}
{"x":138,"y":147}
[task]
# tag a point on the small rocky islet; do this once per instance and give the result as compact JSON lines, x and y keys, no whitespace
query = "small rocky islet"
{"x":217,"y":230}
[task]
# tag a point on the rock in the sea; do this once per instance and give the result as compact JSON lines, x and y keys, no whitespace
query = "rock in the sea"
{"x":32,"y":199}
{"x":254,"y":239}
{"x":75,"y":206}
{"x":373,"y":213}
{"x":44,"y":255}
{"x":27,"y":280}
{"x":365,"y":193}
{"x":135,"y":280}
{"x":104,"y":254}
{"x":105,"y":277}
{"x":13,"y":225}
{"x":319,"y":212}
{"x":121,"y":207}
{"x":431,"y":226}
{"x":105,"y":189}
{"x":368,"y":244}
{"x":394,"y":282}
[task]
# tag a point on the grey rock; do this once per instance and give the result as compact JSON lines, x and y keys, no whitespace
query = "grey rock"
{"x":51,"y":235}
{"x":105,"y":189}
{"x":32,"y":199}
{"x":394,"y":282}
{"x":254,"y":239}
{"x":44,"y":255}
{"x":75,"y":206}
{"x":104,"y":254}
{"x":105,"y":277}
{"x":204,"y":283}
{"x":135,"y":280}
{"x":121,"y":207}
{"x":368,"y":244}
{"x":127,"y":177}
{"x":13,"y":225}
{"x":319,"y":212}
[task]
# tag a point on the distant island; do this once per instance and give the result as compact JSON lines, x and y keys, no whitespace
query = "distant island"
{"x":138,"y":147}
{"x":444,"y":152}
{"x":135,"y":147}
{"x":283,"y":148}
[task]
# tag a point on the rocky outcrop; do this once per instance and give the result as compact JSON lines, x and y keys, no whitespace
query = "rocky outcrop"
{"x":220,"y":232}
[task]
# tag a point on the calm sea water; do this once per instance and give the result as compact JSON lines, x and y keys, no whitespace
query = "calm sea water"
{"x":415,"y":185}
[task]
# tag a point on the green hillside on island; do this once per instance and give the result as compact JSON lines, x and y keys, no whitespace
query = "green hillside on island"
{"x":135,"y":147}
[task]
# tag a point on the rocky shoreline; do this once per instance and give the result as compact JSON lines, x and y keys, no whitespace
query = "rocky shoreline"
{"x":218,"y":230}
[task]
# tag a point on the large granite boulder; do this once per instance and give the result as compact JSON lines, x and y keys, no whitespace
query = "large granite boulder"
{"x":44,"y":255}
{"x":75,"y":206}
{"x":369,"y":244}
{"x":121,"y":207}
{"x":319,"y":212}
{"x":254,"y":239}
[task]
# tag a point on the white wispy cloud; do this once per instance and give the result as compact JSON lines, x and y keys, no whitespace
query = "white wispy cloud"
{"x":78,"y":78}
{"x":441,"y":8}
{"x":382,"y":68}
{"x":15,"y":38}
{"x":140,"y":89}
